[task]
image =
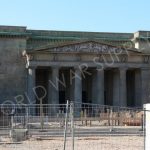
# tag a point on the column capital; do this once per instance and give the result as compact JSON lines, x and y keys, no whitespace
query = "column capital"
{"x":32,"y":67}
{"x":55,"y":67}
{"x":100,"y":68}
{"x":78,"y":67}
{"x":145,"y":68}
{"x":31,"y":71}
{"x":123,"y":68}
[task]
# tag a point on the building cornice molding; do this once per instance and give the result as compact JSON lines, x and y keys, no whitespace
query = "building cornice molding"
{"x":14,"y":34}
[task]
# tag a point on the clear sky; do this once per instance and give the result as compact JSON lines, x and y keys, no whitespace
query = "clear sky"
{"x":77,"y":15}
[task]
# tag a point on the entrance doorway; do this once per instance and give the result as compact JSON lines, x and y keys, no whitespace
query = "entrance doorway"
{"x":131,"y":88}
{"x":108,"y":87}
{"x":41,"y":88}
{"x":62,"y":97}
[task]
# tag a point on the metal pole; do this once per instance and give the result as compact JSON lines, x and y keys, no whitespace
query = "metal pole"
{"x":144,"y":123}
{"x":111,"y":119}
{"x":72,"y":122}
{"x":41,"y":115}
{"x":12,"y":117}
{"x":12,"y":122}
{"x":27,"y":116}
{"x":66,"y":124}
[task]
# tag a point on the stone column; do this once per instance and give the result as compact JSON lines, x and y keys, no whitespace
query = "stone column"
{"x":116,"y":88}
{"x":100,"y":86}
{"x":123,"y":87}
{"x":78,"y":86}
{"x":54,"y":93}
{"x":138,"y":100}
{"x":145,"y":76}
{"x":77,"y":91}
{"x":49,"y":86}
{"x":71,"y":86}
{"x":94,"y":87}
{"x":55,"y":85}
{"x":31,"y":89}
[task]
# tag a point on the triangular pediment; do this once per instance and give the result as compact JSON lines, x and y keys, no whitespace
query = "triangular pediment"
{"x":85,"y":47}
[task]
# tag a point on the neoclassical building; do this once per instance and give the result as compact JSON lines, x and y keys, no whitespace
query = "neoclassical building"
{"x":85,"y":67}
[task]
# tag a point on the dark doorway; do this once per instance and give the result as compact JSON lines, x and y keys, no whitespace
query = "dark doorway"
{"x":84,"y":97}
{"x":87,"y":87}
{"x":108,"y":86}
{"x":62,"y":97}
{"x":64,"y":85}
{"x":41,"y":87}
{"x":131,"y":88}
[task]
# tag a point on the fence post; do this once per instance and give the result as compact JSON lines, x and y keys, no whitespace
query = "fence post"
{"x":108,"y":115}
{"x":111,"y":119}
{"x":72,"y":122}
{"x":66,"y":124}
{"x":147,"y":126}
{"x":142,"y":122}
{"x":27,"y":117}
{"x":41,"y":115}
{"x":12,"y":114}
{"x":82,"y":115}
{"x":12,"y":122}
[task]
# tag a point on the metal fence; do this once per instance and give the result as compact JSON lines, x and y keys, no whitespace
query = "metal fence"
{"x":71,"y":126}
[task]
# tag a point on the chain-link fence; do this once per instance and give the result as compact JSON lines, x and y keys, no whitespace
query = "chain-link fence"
{"x":71,"y":126}
{"x":108,"y":127}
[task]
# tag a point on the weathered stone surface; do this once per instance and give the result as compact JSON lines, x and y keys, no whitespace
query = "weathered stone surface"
{"x":145,"y":76}
{"x":19,"y":134}
{"x":13,"y":75}
{"x":48,"y":49}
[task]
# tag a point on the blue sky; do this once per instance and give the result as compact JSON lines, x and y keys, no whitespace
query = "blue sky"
{"x":77,"y":15}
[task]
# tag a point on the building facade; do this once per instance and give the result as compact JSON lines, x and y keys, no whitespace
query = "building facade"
{"x":85,"y":67}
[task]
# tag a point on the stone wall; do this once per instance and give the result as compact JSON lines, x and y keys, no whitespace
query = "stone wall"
{"x":14,"y":40}
{"x":12,"y":68}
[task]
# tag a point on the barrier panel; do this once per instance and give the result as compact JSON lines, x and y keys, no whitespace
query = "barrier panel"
{"x":71,"y":126}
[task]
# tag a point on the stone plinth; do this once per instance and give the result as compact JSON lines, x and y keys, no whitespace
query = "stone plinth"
{"x":19,"y":134}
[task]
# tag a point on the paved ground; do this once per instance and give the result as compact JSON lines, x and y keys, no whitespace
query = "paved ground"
{"x":89,"y":143}
{"x":87,"y":138}
{"x":85,"y":131}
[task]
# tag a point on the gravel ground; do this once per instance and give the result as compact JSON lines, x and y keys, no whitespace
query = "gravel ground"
{"x":86,"y":143}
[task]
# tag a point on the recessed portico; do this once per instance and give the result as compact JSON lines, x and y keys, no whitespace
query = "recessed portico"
{"x":89,"y":72}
